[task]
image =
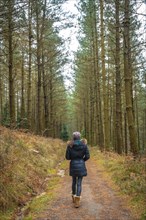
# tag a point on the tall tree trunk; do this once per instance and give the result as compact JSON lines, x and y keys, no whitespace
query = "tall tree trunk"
{"x":128,"y":79}
{"x":126,"y":140}
{"x":119,"y":143}
{"x":91,"y":114}
{"x":100,"y":138}
{"x":93,"y":71}
{"x":1,"y":92}
{"x":137,"y":117}
{"x":51,"y":104}
{"x":113,"y":101}
{"x":29,"y":65}
{"x":144,"y":131}
{"x":1,"y":95}
{"x":40,"y":36}
{"x":10,"y":63}
{"x":46,"y":109}
{"x":22,"y":90}
{"x":43,"y":73}
{"x":38,"y":110}
{"x":87,"y":116}
{"x":105,"y":98}
{"x":18,"y":110}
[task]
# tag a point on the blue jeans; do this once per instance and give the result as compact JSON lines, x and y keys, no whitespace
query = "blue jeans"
{"x":77,"y":185}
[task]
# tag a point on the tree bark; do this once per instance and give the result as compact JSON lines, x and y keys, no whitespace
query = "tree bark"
{"x":1,"y":90}
{"x":1,"y":95}
{"x":126,"y":141}
{"x":29,"y":65}
{"x":22,"y":90}
{"x":128,"y":80}
{"x":38,"y":110}
{"x":104,"y":88}
{"x":46,"y":109}
{"x":10,"y":64}
{"x":119,"y":143}
{"x":100,"y":137}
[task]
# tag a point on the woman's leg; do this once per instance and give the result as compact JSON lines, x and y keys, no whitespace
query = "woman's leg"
{"x":79,"y":185}
{"x":74,"y":185}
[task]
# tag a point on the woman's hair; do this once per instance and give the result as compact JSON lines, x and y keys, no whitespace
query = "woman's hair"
{"x":76,"y":135}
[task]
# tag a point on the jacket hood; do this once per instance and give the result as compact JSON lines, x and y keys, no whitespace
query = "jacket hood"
{"x":78,"y":145}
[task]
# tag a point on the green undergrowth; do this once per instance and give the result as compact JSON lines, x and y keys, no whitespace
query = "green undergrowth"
{"x":64,"y":165}
{"x":26,"y":161}
{"x":40,"y":203}
{"x":128,"y":174}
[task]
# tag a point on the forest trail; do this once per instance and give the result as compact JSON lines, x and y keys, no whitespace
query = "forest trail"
{"x":99,"y":201}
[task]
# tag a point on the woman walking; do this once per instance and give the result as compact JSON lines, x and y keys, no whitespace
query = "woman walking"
{"x":77,"y":152}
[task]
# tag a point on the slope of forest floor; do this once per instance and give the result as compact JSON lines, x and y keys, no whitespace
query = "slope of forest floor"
{"x":27,"y":163}
{"x":35,"y":184}
{"x":127,"y":176}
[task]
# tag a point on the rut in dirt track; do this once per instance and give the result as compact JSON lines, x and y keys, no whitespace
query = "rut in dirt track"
{"x":99,"y":201}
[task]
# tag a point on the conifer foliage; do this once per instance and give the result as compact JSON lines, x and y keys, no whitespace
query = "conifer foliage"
{"x":31,"y":58}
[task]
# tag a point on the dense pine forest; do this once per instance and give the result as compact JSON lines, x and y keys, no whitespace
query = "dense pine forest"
{"x":108,"y":99}
{"x":65,"y":66}
{"x":107,"y":102}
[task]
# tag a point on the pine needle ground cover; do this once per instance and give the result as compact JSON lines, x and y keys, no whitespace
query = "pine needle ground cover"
{"x":126,"y":174}
{"x":27,"y":164}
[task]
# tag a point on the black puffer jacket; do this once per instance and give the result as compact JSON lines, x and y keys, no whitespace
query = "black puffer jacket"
{"x":78,"y":153}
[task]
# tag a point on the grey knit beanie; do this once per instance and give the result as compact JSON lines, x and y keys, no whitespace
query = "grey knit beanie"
{"x":76,"y":135}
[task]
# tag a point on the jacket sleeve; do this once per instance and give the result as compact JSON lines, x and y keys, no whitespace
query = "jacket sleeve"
{"x":87,"y":154}
{"x":68,"y":156}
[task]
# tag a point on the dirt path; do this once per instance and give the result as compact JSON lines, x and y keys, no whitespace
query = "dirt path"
{"x":99,"y":201}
